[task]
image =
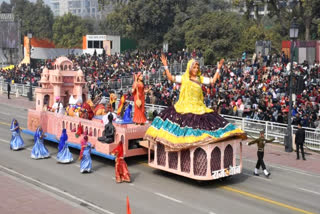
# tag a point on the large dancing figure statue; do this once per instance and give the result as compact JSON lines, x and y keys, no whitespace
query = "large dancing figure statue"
{"x":189,"y":122}
{"x":85,"y":155}
{"x":121,"y":168}
{"x":16,"y":142}
{"x":39,"y":150}
{"x":64,"y":155}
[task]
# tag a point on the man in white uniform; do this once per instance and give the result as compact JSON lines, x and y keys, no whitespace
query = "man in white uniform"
{"x":57,"y":107}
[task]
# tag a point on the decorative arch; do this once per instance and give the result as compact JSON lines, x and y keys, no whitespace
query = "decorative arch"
{"x":185,"y":162}
{"x":228,"y":156}
{"x":161,"y":155}
{"x":65,"y":67}
{"x":200,"y":162}
{"x":46,"y":99}
{"x":215,"y":160}
{"x":173,"y":160}
{"x":61,"y":67}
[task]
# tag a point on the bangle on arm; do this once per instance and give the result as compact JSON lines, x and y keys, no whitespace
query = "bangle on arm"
{"x":173,"y":79}
{"x":165,"y":67}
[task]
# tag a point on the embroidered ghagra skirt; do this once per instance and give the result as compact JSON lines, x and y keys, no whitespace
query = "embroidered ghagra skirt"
{"x":181,"y":131}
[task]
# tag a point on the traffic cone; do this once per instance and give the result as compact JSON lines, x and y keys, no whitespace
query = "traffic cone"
{"x":128,"y":206}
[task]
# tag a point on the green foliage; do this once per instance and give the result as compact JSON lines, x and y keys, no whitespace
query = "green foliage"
{"x":255,"y":32}
{"x":36,"y":18}
{"x":68,"y":31}
{"x":218,"y":37}
{"x":5,"y":7}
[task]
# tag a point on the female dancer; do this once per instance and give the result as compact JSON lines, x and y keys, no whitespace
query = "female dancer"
{"x":39,"y":150}
{"x":189,"y":122}
{"x":121,"y":168}
{"x":85,"y":155}
{"x":16,"y":142}
{"x":138,"y":92}
{"x":64,"y":155}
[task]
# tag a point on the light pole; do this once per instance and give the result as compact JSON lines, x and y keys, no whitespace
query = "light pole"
{"x":30,"y":88}
{"x":293,"y":33}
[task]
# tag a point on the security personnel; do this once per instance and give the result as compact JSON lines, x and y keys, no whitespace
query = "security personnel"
{"x":261,"y":142}
{"x":300,"y":137}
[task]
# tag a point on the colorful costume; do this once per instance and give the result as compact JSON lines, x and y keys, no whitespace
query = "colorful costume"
{"x":139,"y":112}
{"x":121,"y":168}
{"x":85,"y":156}
{"x":80,"y":130}
{"x":16,"y":142}
{"x":64,"y":155}
{"x":121,"y":105}
{"x":39,"y":150}
{"x":190,"y":123}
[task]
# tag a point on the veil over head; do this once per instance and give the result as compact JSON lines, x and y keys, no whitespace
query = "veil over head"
{"x":13,"y":125}
{"x":63,"y":139}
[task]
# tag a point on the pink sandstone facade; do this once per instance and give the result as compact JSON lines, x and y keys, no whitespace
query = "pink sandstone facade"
{"x":64,"y":82}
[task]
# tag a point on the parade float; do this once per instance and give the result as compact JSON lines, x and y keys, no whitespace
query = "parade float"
{"x":207,"y":154}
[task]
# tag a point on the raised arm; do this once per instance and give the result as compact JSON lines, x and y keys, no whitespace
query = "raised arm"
{"x":271,"y":140}
{"x":217,"y":74}
{"x":165,"y":65}
{"x":253,"y":142}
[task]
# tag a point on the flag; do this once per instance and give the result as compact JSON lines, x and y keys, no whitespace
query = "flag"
{"x":128,"y":206}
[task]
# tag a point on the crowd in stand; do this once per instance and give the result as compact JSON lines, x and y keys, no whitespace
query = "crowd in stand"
{"x":256,"y":88}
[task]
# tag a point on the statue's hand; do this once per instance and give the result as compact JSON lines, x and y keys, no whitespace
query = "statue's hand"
{"x":164,"y":60}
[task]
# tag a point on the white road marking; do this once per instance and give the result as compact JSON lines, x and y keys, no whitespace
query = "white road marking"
{"x":131,"y":184}
{"x":285,"y":168}
{"x":212,"y":213}
{"x":306,"y":190}
{"x":16,"y":115}
{"x":4,"y":113}
{"x":168,"y":197}
{"x":8,"y":142}
{"x":56,"y":190}
{"x":266,"y":179}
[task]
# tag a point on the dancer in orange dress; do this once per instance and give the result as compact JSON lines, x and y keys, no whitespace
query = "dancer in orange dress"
{"x":121,"y":168}
{"x":138,"y":92}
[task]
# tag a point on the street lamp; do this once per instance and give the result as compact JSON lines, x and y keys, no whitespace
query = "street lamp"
{"x":30,"y":88}
{"x":293,"y":33}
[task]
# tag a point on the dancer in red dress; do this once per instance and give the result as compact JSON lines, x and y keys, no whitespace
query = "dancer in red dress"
{"x":121,"y":168}
{"x":138,"y":92}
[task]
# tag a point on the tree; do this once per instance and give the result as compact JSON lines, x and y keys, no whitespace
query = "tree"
{"x":176,"y":35}
{"x":5,"y":7}
{"x":255,"y":32}
{"x":36,"y":18}
{"x":143,"y":20}
{"x":68,"y":31}
{"x":215,"y":36}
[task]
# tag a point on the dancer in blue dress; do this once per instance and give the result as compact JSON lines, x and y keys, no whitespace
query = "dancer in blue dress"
{"x":39,"y":150}
{"x":64,"y":155}
{"x":85,"y":155}
{"x":16,"y":142}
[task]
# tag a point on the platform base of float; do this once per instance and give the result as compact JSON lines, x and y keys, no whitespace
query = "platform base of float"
{"x":52,"y":124}
{"x":204,"y":163}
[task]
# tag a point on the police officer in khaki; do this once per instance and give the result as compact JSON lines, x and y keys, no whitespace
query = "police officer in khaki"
{"x":261,"y":142}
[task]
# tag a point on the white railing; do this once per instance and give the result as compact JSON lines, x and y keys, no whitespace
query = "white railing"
{"x":22,"y":89}
{"x":250,"y":126}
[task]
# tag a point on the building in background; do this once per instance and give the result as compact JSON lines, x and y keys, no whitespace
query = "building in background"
{"x":98,"y":43}
{"x":83,"y":8}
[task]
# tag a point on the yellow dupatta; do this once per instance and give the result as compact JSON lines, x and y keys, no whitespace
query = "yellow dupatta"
{"x":191,"y":95}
